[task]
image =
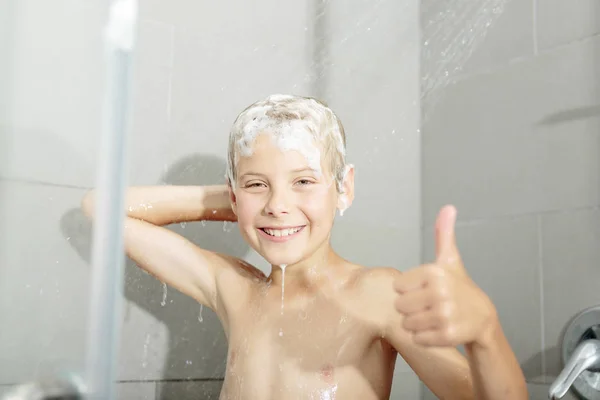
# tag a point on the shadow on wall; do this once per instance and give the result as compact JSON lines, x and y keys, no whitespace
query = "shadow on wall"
{"x":196,"y":350}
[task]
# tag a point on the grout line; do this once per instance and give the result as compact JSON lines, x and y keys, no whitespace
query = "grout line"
{"x":535,"y":28}
{"x":146,"y":381}
{"x":477,"y":221}
{"x":170,"y":380}
{"x":541,"y":288}
{"x":43,"y":183}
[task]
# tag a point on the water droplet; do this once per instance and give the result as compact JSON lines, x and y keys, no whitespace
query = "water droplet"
{"x":200,"y":319}
{"x":164,"y":296}
{"x":183,"y":224}
{"x":203,"y":223}
{"x":145,"y":354}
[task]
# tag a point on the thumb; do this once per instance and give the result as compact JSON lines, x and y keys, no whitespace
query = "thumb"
{"x":445,"y":238}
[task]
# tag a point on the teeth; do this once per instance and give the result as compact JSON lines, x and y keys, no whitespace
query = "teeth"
{"x":281,"y":232}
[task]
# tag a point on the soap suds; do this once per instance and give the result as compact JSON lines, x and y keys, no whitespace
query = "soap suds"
{"x":282,"y":266}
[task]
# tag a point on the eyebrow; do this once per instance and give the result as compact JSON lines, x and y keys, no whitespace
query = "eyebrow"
{"x":295,"y":171}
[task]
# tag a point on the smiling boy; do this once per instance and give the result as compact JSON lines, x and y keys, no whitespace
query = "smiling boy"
{"x":319,"y":326}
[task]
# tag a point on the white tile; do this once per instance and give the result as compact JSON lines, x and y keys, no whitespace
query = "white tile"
{"x":560,"y":22}
{"x":136,"y":391}
{"x":44,"y":283}
{"x":55,"y":94}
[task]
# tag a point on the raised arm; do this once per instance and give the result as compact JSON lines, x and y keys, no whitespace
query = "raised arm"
{"x":165,"y":254}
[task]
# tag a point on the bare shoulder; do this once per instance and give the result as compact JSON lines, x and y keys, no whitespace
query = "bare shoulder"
{"x":375,"y":278}
{"x":373,"y":291}
{"x":240,"y":271}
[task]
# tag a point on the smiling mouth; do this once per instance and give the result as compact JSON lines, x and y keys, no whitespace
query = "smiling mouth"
{"x":281,"y":232}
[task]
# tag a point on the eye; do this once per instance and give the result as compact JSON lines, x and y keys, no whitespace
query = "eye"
{"x":250,"y":185}
{"x":304,"y":182}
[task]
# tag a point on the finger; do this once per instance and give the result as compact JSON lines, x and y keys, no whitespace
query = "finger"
{"x":414,"y":301}
{"x":445,"y":238}
{"x":423,"y":321}
{"x":413,"y":279}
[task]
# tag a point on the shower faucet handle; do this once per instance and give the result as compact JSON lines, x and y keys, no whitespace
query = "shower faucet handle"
{"x":585,"y":356}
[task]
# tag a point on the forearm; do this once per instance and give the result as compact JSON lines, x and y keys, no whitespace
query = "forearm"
{"x":163,"y":205}
{"x":495,"y":370}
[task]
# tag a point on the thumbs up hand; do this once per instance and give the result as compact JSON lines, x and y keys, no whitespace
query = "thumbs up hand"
{"x":440,"y":303}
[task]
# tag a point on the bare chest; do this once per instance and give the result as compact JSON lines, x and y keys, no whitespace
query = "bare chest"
{"x":312,"y":350}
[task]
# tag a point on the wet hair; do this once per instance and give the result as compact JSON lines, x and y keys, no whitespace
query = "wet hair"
{"x":289,"y":115}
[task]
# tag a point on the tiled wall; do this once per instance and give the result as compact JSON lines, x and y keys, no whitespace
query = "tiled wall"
{"x":198,"y":64}
{"x":515,"y":145}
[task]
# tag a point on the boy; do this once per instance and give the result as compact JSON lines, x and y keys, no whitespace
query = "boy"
{"x":319,"y":326}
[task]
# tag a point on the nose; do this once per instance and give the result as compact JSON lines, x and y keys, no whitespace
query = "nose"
{"x":277,"y":203}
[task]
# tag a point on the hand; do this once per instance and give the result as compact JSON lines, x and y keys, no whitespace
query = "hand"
{"x":441,"y":305}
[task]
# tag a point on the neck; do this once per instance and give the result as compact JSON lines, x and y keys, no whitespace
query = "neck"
{"x":311,"y":272}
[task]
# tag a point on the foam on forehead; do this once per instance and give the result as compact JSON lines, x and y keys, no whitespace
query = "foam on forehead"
{"x":295,"y":123}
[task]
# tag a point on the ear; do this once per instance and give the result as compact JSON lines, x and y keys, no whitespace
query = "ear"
{"x":346,"y":198}
{"x":232,"y":198}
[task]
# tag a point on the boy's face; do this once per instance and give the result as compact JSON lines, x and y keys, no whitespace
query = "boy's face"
{"x":285,"y":209}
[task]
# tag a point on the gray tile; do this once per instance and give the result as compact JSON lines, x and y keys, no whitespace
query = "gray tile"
{"x":427,"y":394}
{"x":571,"y":273}
{"x":536,"y":392}
{"x":365,"y":37}
{"x":44,"y":283}
{"x":185,"y":14}
{"x":136,"y":390}
{"x":55,"y":97}
{"x":193,"y":390}
{"x":466,"y":37}
{"x":376,"y":144}
{"x":501,"y":256}
{"x":406,"y":386}
{"x":395,"y":247}
{"x":212,"y":85}
{"x":540,"y":392}
{"x":496,"y":143}
{"x":560,"y":22}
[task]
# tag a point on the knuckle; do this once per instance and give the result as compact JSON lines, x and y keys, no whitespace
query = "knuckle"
{"x":435,"y":272}
{"x":444,"y":313}
{"x":448,"y":333}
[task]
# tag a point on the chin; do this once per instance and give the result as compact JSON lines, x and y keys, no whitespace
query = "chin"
{"x":282,"y":259}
